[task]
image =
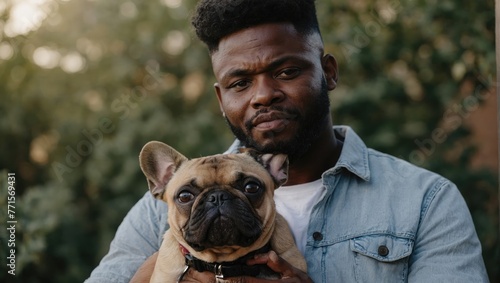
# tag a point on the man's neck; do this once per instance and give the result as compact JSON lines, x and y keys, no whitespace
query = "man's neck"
{"x":321,"y":156}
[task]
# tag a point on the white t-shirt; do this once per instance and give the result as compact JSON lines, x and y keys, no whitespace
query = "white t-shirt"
{"x":295,"y":203}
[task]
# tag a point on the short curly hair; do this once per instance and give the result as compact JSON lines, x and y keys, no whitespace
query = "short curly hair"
{"x":215,"y":19}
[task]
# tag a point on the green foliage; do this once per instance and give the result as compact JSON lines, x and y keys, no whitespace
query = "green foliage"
{"x":84,"y":91}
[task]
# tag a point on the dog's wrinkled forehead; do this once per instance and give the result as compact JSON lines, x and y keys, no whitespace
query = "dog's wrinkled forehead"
{"x":215,"y":161}
{"x":221,"y":169}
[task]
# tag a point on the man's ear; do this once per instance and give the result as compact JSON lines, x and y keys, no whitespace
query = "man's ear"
{"x":330,"y":70}
{"x":275,"y":164}
{"x":159,"y":163}
{"x":219,"y":96}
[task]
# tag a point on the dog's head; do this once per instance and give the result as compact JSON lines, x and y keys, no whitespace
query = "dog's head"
{"x":220,"y":207}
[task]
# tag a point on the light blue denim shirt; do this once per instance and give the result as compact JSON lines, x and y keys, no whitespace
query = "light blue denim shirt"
{"x":381,"y":220}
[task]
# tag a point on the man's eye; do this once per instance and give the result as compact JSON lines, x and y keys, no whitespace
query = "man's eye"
{"x":288,"y":73}
{"x":185,"y":197}
{"x":239,"y":85}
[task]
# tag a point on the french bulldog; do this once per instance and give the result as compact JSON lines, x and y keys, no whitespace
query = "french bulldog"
{"x":220,"y":212}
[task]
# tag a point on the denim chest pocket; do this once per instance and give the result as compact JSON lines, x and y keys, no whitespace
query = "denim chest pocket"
{"x":381,"y":258}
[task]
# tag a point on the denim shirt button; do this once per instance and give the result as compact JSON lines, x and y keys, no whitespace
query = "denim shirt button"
{"x":317,"y":236}
{"x":383,"y":250}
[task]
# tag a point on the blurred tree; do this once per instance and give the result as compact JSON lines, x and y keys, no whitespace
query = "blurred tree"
{"x":85,"y":84}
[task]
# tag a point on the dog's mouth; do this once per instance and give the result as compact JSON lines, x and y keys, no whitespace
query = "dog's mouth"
{"x":230,"y":224}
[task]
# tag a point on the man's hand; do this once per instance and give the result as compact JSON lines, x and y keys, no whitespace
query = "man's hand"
{"x":289,"y":274}
{"x":143,"y":274}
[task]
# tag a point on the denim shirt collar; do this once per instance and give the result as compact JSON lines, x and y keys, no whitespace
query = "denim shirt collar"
{"x":354,"y":155}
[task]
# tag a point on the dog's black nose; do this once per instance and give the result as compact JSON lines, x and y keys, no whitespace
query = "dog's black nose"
{"x":218,"y":198}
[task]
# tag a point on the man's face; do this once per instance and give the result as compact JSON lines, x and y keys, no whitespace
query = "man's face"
{"x":273,"y":85}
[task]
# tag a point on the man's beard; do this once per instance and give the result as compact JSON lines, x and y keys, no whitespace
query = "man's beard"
{"x":310,"y":126}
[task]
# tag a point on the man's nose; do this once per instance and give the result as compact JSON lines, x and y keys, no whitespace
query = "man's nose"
{"x":266,"y":93}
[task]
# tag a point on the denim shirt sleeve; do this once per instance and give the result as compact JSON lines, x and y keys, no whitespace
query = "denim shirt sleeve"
{"x":446,"y":247}
{"x":137,"y":238}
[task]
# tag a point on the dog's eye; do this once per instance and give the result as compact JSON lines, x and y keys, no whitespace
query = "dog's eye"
{"x":252,"y":187}
{"x":185,"y":196}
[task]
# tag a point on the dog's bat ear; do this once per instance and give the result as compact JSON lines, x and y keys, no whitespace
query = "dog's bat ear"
{"x":159,"y":163}
{"x":275,"y":164}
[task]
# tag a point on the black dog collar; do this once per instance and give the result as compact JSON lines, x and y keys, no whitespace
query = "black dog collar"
{"x":229,"y":269}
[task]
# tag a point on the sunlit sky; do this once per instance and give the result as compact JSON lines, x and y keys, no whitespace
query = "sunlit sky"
{"x":26,"y":16}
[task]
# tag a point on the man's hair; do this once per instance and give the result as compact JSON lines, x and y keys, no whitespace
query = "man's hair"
{"x":215,"y":19}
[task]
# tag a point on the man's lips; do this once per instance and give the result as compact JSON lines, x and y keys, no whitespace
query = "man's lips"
{"x":272,"y":120}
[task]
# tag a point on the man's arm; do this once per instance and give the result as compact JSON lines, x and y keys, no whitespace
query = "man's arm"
{"x":144,"y":273}
{"x":447,"y":248}
{"x":137,"y":238}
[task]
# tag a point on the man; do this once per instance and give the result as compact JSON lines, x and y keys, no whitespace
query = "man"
{"x":357,"y":215}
